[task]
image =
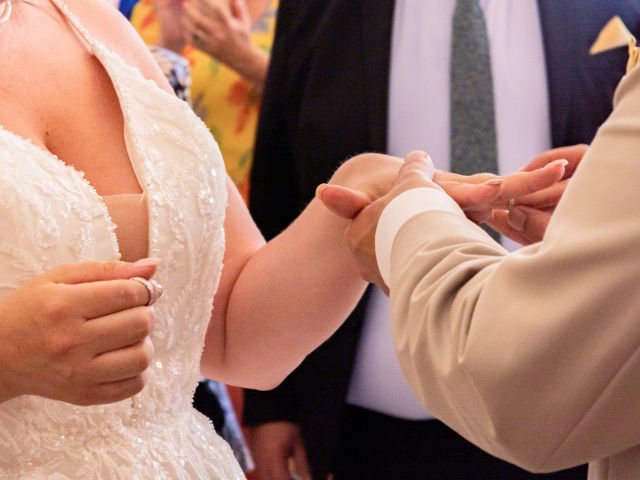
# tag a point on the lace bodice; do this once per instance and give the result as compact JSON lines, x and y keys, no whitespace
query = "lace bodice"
{"x":50,"y":215}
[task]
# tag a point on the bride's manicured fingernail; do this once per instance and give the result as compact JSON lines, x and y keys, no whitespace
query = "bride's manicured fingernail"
{"x":556,"y":163}
{"x":147,"y":262}
{"x":495,"y":181}
{"x":517,"y":219}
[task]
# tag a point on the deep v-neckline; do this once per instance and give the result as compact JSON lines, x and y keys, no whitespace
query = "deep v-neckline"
{"x":135,"y":162}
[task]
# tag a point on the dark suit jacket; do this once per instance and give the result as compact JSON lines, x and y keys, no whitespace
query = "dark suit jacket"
{"x":326,"y":99}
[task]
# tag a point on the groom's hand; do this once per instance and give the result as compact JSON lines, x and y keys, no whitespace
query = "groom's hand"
{"x":417,"y":171}
{"x":476,"y":195}
{"x":518,"y":205}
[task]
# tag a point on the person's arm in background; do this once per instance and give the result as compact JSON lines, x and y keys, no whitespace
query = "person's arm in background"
{"x":533,"y":355}
{"x":223,"y":30}
{"x":275,"y":439}
{"x":169,"y":14}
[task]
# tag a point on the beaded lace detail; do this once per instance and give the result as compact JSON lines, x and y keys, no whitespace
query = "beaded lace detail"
{"x":50,"y":216}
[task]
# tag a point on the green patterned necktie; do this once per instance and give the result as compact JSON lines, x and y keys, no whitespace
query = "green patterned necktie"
{"x":473,"y":125}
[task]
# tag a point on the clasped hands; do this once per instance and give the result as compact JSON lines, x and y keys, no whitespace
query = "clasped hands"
{"x":519,"y":206}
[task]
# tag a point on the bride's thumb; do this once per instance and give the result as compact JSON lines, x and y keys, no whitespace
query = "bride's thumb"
{"x":342,"y":201}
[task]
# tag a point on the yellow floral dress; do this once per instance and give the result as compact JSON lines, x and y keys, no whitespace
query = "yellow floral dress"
{"x":227,"y":103}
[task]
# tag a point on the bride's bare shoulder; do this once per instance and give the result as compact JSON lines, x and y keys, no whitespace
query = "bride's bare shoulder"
{"x":104,"y":21}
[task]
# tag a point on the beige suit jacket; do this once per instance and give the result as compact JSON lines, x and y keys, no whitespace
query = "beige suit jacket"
{"x":535,"y":356}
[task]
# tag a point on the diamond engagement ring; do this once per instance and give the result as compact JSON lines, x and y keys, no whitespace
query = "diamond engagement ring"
{"x":153,"y":288}
{"x":5,"y":13}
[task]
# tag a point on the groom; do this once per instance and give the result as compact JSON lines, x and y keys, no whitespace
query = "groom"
{"x":532,"y":356}
{"x":368,"y":75}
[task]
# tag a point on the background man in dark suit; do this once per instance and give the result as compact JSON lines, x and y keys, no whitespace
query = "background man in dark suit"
{"x":342,"y":82}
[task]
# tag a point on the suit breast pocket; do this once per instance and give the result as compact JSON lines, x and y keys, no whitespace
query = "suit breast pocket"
{"x":605,"y":71}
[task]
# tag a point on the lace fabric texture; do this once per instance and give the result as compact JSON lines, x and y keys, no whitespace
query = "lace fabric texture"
{"x":51,"y":216}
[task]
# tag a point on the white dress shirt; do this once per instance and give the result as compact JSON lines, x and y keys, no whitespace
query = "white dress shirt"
{"x":419,"y":119}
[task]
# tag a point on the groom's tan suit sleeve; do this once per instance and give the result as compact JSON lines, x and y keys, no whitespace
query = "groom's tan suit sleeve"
{"x":535,"y":355}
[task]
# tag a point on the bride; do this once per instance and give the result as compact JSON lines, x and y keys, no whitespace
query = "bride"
{"x":98,"y":372}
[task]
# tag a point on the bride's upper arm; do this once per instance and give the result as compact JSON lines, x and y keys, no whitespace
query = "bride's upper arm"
{"x":243,"y":239}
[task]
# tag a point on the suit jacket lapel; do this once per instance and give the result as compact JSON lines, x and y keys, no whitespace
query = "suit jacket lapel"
{"x":377,"y":25}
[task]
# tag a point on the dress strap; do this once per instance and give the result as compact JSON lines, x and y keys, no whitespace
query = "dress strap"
{"x":75,"y":22}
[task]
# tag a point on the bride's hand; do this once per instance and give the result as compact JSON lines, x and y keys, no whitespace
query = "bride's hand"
{"x":373,"y":173}
{"x":478,"y":201}
{"x":367,"y":177}
{"x":79,"y":333}
{"x":527,"y":218}
{"x":361,"y":180}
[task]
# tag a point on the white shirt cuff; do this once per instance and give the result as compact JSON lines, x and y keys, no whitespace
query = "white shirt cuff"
{"x":399,"y":211}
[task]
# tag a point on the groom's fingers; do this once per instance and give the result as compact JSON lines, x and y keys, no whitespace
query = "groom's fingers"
{"x":417,"y":171}
{"x":531,"y":222}
{"x":499,"y":221}
{"x":522,"y":224}
{"x":342,"y":201}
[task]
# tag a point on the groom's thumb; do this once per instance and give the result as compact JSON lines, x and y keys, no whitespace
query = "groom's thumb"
{"x":417,"y":168}
{"x":342,"y":201}
{"x":416,"y":171}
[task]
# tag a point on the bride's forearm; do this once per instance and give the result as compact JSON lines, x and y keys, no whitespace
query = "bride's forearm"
{"x":290,"y":296}
{"x":277,"y":302}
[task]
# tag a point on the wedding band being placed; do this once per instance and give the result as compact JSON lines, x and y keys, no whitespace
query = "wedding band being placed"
{"x":153,"y":288}
{"x":512,"y":203}
{"x":6,"y":11}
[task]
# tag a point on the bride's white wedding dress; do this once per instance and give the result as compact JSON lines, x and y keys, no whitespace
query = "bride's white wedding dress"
{"x":49,"y":216}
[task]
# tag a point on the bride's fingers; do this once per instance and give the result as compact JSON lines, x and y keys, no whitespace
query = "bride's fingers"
{"x":516,"y":185}
{"x":524,"y":183}
{"x":546,"y":198}
{"x":112,"y":392}
{"x":572,"y":154}
{"x":123,"y":363}
{"x":471,"y":197}
{"x":342,"y":201}
{"x":441,"y":176}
